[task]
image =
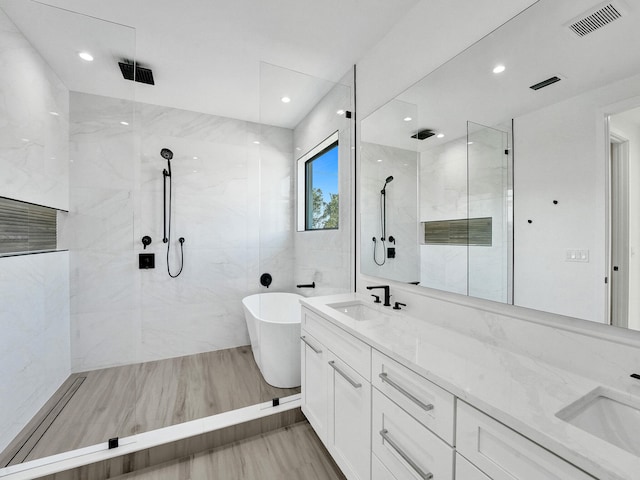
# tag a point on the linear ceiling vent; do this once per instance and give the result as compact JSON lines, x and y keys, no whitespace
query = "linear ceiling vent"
{"x":591,"y":22}
{"x":133,"y":71}
{"x":423,"y":134}
{"x":545,"y":83}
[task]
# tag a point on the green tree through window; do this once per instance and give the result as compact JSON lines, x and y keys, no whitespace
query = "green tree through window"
{"x":322,"y":198}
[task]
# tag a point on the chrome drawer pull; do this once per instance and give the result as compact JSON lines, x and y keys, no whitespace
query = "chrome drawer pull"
{"x":304,"y":339}
{"x":385,"y":378}
{"x":385,"y":435}
{"x":355,"y":384}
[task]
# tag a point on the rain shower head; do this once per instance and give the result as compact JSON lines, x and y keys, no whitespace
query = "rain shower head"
{"x":387,"y":181}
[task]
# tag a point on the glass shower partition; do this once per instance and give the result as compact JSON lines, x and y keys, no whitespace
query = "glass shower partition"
{"x":490,"y":211}
{"x":76,"y":122}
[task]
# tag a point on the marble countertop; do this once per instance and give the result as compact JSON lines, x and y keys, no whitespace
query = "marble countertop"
{"x":519,"y":391}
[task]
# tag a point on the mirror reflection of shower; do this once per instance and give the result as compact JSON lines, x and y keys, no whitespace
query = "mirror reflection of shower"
{"x":166,"y":174}
{"x":383,"y":225}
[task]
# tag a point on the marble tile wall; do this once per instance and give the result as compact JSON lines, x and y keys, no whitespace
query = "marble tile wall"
{"x":34,"y":289}
{"x":225,"y":188}
{"x":35,"y":116}
{"x":326,"y":256}
{"x":377,"y":163}
{"x":34,"y":341}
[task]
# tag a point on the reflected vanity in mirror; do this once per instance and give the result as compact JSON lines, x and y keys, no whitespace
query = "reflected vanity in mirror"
{"x":513,"y":167}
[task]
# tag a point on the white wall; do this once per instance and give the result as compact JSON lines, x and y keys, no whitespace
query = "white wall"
{"x":121,"y":314}
{"x":34,"y":289}
{"x":560,"y":154}
{"x":326,"y":256}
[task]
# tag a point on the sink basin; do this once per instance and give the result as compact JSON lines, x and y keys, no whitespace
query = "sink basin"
{"x":357,"y":310}
{"x":609,"y":415}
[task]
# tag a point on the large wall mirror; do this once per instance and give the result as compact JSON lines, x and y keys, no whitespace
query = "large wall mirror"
{"x":512,"y":172}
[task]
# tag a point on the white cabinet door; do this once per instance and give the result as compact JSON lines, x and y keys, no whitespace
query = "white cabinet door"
{"x":408,"y":449}
{"x":466,"y":471}
{"x":506,"y":455}
{"x":314,"y":383}
{"x":349,"y":415}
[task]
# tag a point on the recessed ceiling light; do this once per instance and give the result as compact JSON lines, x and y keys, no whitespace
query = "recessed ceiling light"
{"x":340,"y":112}
{"x":407,"y":119}
{"x":469,"y":143}
{"x":55,"y":114}
{"x":379,"y":160}
{"x":195,"y":158}
{"x":257,"y":142}
{"x":86,"y":56}
{"x":124,"y":123}
{"x":25,"y":139}
{"x":285,"y":99}
{"x":499,"y":69}
{"x":440,"y":135}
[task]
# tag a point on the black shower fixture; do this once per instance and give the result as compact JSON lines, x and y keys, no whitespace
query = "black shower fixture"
{"x":166,"y":212}
{"x":133,"y":71}
{"x":423,"y":134}
{"x":386,"y":182}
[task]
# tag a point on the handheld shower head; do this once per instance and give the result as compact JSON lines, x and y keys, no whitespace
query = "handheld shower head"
{"x":387,"y":181}
{"x":167,"y":155}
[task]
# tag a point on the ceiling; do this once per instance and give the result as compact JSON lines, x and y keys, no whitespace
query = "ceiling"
{"x":207,"y":55}
{"x":533,"y":46}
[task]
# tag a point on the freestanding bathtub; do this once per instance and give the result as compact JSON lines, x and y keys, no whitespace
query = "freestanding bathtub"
{"x":273,"y":321}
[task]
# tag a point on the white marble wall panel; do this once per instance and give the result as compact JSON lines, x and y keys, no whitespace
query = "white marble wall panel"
{"x":33,"y":141}
{"x":226,"y":189}
{"x":377,"y":163}
{"x":326,"y":257}
{"x":34,"y":344}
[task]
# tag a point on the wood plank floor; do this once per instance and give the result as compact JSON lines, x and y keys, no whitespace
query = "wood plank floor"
{"x":123,"y":401}
{"x":291,"y":453}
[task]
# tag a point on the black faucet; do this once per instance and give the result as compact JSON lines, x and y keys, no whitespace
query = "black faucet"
{"x":386,"y":293}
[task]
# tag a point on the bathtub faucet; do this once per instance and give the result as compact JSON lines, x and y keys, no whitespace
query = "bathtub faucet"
{"x":387,"y":296}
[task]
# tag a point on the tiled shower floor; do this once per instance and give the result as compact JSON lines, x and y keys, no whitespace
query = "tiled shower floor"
{"x":122,"y":401}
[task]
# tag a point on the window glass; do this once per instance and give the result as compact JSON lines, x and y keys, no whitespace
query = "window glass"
{"x":321,"y":190}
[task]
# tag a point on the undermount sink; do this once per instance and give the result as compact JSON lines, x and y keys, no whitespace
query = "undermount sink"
{"x":609,"y":415}
{"x":357,"y":310}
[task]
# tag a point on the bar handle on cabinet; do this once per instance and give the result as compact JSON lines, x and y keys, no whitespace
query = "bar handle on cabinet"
{"x":344,"y":375}
{"x":426,"y":407}
{"x":385,"y":435}
{"x":304,"y":339}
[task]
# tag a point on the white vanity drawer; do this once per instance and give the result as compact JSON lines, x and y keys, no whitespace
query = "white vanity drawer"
{"x":467,"y":471}
{"x":504,"y":454}
{"x":433,"y":406}
{"x":405,"y":447}
{"x":379,"y":471}
{"x":352,"y":351}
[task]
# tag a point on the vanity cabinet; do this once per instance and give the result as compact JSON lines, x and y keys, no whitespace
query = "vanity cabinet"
{"x":503,"y":454}
{"x":314,"y":385}
{"x":336,"y":393}
{"x":380,"y":420}
{"x":466,"y":471}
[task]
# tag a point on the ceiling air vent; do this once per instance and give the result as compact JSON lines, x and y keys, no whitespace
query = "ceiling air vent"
{"x":545,"y":83}
{"x":594,"y":20}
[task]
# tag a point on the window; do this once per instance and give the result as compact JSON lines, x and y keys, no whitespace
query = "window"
{"x":318,"y":197}
{"x":25,"y":227}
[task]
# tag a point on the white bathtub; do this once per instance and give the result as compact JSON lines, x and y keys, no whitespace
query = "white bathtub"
{"x":273,"y":321}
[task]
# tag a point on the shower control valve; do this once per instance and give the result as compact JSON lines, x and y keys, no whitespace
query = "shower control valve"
{"x":146,"y":241}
